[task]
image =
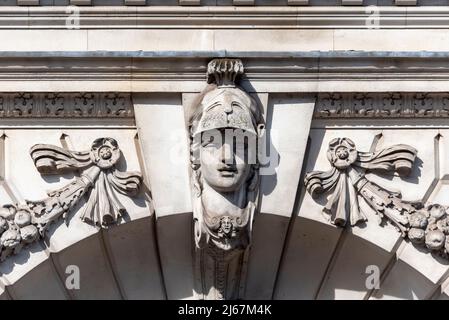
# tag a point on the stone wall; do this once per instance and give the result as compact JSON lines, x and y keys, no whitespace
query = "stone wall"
{"x":132,"y":71}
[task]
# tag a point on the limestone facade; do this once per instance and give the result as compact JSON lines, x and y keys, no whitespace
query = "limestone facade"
{"x":99,"y":109}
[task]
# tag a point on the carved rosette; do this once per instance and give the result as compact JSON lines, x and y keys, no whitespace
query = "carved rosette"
{"x":422,"y":225}
{"x":99,"y":181}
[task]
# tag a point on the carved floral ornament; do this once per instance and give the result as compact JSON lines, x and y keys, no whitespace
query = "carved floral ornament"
{"x":382,"y":105}
{"x":423,"y":225}
{"x":99,"y":181}
{"x":66,"y":105}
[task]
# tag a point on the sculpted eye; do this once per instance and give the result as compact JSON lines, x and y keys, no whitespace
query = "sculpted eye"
{"x":208,"y":141}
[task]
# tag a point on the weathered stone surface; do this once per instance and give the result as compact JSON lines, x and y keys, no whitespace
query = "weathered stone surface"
{"x":319,"y":71}
{"x":225,"y":125}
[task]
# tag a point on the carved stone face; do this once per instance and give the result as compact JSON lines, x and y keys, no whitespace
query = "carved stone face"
{"x":226,"y":225}
{"x":224,"y":159}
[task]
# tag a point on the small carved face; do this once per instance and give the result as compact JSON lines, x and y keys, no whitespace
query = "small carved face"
{"x":225,"y":159}
{"x":226,"y":225}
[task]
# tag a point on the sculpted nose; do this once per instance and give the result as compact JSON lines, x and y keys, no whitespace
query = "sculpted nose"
{"x":227,"y":155}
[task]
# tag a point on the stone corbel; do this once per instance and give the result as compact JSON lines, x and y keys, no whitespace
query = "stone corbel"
{"x":422,"y":225}
{"x":99,"y":180}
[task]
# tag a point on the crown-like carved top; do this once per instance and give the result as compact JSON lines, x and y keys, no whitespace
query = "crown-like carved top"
{"x":224,"y":72}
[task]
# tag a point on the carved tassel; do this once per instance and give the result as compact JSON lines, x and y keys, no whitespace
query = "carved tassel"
{"x":336,"y":206}
{"x":356,"y":214}
{"x":88,"y":213}
{"x":103,"y":206}
{"x":116,"y":208}
{"x":104,"y":214}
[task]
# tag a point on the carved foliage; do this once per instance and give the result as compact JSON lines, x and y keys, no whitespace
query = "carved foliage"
{"x":379,"y":105}
{"x":330,"y":105}
{"x":54,"y":105}
{"x":66,"y":105}
{"x":99,"y":180}
{"x":84,"y":105}
{"x":117,"y":105}
{"x":392,"y":104}
{"x":22,"y":105}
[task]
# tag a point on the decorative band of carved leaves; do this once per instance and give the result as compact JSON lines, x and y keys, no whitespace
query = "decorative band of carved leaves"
{"x":63,"y":105}
{"x":382,"y":105}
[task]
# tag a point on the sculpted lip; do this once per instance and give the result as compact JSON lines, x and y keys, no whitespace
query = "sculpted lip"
{"x":227,"y":171}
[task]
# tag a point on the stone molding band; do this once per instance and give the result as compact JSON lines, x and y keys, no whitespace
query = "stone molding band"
{"x":382,"y":105}
{"x":329,"y":105}
{"x":225,"y":17}
{"x":66,"y":105}
{"x":183,"y":71}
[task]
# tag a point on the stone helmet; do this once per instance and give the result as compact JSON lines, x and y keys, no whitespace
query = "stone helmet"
{"x":223,"y":104}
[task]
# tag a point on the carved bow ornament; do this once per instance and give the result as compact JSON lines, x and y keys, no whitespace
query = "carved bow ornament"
{"x":99,"y":180}
{"x":428,"y":225}
{"x":347,"y":180}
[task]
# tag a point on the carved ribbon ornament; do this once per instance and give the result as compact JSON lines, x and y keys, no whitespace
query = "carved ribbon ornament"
{"x":423,"y":225}
{"x":346,"y":179}
{"x":99,"y":180}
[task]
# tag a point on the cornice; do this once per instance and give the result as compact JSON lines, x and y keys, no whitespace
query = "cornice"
{"x":172,"y":71}
{"x":225,"y":17}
